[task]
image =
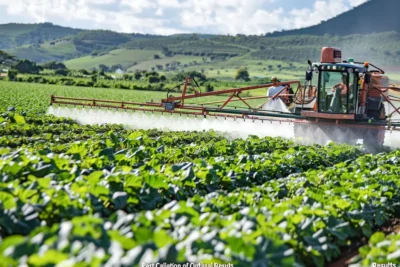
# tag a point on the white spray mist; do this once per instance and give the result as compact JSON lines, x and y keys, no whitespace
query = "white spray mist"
{"x":230,"y":128}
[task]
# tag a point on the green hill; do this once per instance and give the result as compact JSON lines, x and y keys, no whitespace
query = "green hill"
{"x":360,"y":33}
{"x":13,"y":35}
{"x":374,"y":16}
{"x":46,"y":42}
{"x":219,"y":52}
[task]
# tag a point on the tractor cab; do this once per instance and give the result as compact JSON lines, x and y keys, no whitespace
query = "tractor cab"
{"x":338,"y":87}
{"x":342,"y":88}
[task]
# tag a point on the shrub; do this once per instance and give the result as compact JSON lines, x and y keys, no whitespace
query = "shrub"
{"x":209,"y":87}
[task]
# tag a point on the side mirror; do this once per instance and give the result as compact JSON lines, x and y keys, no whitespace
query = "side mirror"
{"x":309,"y":75}
{"x":367,"y":78}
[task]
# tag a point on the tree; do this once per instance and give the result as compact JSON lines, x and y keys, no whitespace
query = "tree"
{"x":166,"y":52}
{"x":94,"y":78}
{"x":83,"y":72}
{"x":137,"y":75}
{"x":54,"y":66}
{"x":209,"y":87}
{"x":193,"y":74}
{"x":242,"y":74}
{"x":103,"y":68}
{"x":12,"y":75}
{"x":26,"y":66}
{"x":153,"y":79}
{"x":61,"y":72}
{"x":156,"y":56}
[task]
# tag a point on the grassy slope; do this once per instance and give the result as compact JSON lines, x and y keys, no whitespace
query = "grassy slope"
{"x":120,"y":56}
{"x":148,"y":64}
{"x":45,"y":52}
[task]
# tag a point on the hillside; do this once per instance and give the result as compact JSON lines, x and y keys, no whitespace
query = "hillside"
{"x":374,"y":16}
{"x":220,"y":56}
{"x":217,"y":54}
{"x":14,"y":35}
{"x":45,"y":42}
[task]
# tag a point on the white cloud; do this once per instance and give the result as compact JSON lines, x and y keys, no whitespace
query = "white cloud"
{"x":322,"y":10}
{"x":159,"y":12}
{"x":355,"y":3}
{"x":174,"y":16}
{"x":137,"y":6}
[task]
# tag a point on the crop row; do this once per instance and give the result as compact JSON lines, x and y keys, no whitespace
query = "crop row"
{"x":301,"y":220}
{"x":381,"y":249}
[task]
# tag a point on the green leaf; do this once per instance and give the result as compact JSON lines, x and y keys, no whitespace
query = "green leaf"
{"x":50,"y":257}
{"x":19,"y":119}
{"x":376,"y":238}
{"x":143,"y":235}
{"x":134,"y":181}
{"x":126,"y":243}
{"x":156,"y":181}
{"x":161,"y":238}
{"x":11,"y":241}
{"x":108,"y":152}
{"x":7,"y":200}
{"x":94,"y":177}
{"x":120,"y":200}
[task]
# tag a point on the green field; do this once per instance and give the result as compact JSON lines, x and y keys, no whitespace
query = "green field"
{"x":82,"y":195}
{"x":36,"y":97}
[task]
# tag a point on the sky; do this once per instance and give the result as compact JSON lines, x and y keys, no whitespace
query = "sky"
{"x":167,"y":17}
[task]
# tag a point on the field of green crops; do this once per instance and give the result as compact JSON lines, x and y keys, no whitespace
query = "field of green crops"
{"x":79,"y":195}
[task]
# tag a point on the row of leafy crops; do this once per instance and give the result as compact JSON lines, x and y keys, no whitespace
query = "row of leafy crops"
{"x":381,"y":249}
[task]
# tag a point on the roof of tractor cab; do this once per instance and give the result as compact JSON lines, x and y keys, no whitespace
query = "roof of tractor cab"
{"x":339,"y":66}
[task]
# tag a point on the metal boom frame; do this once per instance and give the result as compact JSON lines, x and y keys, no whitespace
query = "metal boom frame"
{"x":176,"y":105}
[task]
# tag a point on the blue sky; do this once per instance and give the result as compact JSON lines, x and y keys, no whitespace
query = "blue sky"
{"x":176,"y":16}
